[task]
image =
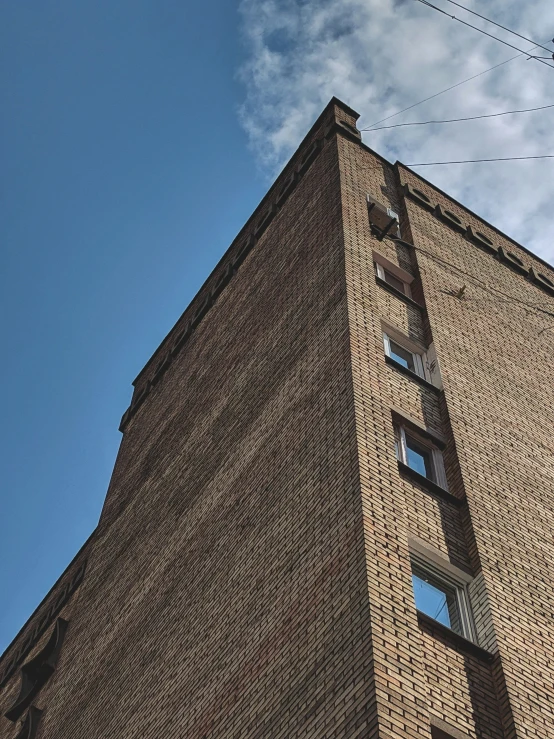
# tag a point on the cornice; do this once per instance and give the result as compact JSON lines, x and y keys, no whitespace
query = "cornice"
{"x":44,"y":614}
{"x":455,"y":223}
{"x":257,"y":224}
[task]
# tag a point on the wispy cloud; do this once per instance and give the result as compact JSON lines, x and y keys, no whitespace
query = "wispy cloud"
{"x":382,"y":55}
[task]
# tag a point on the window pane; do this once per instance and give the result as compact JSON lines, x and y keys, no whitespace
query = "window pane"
{"x":419,"y":457}
{"x":436,"y":599}
{"x":402,"y":356}
{"x":394,"y":281}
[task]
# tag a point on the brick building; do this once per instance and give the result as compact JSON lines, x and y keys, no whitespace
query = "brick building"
{"x":332,"y":510}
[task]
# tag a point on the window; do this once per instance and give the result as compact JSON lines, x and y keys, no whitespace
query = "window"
{"x":399,"y":279}
{"x":442,"y":596}
{"x":392,"y":280}
{"x":420,"y":454}
{"x":441,"y":730}
{"x":404,"y":352}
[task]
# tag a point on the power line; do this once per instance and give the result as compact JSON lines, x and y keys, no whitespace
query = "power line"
{"x":456,"y":120}
{"x":475,"y":28}
{"x":473,"y":161}
{"x":503,"y":27}
{"x":490,"y":69}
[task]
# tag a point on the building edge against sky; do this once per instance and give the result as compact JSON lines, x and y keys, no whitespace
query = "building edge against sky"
{"x":354,"y":409}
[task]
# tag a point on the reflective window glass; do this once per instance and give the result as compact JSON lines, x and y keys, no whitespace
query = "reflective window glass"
{"x":419,"y":457}
{"x":401,"y":355}
{"x":436,"y":599}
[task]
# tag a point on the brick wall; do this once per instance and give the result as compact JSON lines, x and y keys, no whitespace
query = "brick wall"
{"x":495,"y":413}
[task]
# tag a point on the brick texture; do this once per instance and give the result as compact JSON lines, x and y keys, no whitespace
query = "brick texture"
{"x":250,"y":575}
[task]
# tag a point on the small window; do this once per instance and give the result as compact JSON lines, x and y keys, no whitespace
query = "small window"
{"x":394,"y":275}
{"x":392,"y":280}
{"x":420,"y":455}
{"x":411,"y":360}
{"x":441,"y":597}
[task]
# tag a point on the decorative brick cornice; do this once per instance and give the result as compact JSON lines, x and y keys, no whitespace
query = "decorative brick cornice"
{"x":509,"y":258}
{"x":23,"y":645}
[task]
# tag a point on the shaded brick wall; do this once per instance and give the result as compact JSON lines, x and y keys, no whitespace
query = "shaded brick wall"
{"x":226,"y":594}
{"x":61,"y":602}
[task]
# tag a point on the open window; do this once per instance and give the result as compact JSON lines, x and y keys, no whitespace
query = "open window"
{"x":404,"y":352}
{"x":441,"y":593}
{"x":393,"y":275}
{"x":384,"y":221}
{"x":421,"y":454}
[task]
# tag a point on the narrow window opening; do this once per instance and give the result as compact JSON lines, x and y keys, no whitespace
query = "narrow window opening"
{"x":394,"y":281}
{"x":412,"y":358}
{"x":402,"y":356}
{"x":394,"y":275}
{"x":420,"y":455}
{"x":436,"y":599}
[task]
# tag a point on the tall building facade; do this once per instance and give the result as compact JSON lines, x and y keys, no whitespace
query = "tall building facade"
{"x":332,"y":510}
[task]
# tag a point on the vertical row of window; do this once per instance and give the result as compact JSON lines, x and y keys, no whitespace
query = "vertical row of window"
{"x":440,"y":589}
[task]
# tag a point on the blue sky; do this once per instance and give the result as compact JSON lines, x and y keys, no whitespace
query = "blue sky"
{"x":126,"y":175}
{"x":136,"y":138}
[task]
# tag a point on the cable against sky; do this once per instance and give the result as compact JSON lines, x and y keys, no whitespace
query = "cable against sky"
{"x":447,"y":89}
{"x":499,"y":25}
{"x":480,"y":30}
{"x":457,"y":120}
{"x":473,"y":161}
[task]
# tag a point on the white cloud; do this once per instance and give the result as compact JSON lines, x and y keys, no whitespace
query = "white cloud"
{"x":382,"y":55}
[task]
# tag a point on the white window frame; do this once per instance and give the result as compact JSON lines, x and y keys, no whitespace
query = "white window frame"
{"x":383,"y":264}
{"x":452,"y":577}
{"x":439,"y":473}
{"x":418,"y":356}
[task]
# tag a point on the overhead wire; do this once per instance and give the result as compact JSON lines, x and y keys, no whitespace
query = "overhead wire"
{"x":457,"y":120}
{"x":447,"y":89}
{"x":504,"y":28}
{"x":474,"y":161}
{"x":480,"y":30}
